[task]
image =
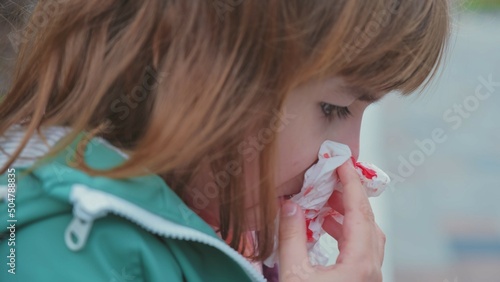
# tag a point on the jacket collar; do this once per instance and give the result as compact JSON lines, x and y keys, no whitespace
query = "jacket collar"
{"x":57,"y":175}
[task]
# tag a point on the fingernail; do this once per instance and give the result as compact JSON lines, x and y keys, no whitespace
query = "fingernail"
{"x":288,"y":209}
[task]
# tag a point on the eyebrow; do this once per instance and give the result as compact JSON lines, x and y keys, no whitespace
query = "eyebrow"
{"x":362,"y":94}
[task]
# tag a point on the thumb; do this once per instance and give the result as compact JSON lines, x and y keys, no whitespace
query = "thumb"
{"x":292,"y":237}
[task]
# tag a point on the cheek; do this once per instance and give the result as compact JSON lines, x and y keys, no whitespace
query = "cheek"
{"x":297,"y":150}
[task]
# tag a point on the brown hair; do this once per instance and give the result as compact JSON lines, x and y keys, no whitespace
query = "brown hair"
{"x":174,"y":82}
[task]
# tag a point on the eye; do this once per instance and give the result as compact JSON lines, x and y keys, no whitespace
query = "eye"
{"x":330,"y":110}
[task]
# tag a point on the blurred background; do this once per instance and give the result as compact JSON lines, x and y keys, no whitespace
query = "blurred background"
{"x":441,"y":147}
{"x":442,"y":150}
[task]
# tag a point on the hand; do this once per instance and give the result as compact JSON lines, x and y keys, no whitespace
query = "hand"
{"x":361,"y":242}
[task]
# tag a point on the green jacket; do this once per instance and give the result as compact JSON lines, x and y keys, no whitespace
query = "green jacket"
{"x":61,"y":224}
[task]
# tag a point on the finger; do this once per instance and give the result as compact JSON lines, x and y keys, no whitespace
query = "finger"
{"x":333,"y":228}
{"x":350,"y":179}
{"x":358,"y":225}
{"x":354,"y":197}
{"x":335,"y":201}
{"x":292,"y":237}
{"x":381,"y":245}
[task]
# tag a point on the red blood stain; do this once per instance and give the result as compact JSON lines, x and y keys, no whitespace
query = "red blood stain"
{"x":367,"y":172}
{"x":309,"y":232}
{"x":326,"y":156}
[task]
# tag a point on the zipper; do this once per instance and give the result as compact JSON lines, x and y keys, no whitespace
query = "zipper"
{"x":90,"y":204}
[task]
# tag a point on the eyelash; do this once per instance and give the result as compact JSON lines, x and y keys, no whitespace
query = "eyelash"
{"x":329,"y":110}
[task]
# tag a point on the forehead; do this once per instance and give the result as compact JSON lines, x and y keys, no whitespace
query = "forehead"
{"x":338,"y":85}
{"x":360,"y":93}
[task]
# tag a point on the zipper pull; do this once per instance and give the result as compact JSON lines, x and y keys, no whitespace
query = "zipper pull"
{"x":76,"y":233}
{"x":87,"y":206}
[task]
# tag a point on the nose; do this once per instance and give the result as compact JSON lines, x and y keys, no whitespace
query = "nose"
{"x":348,"y":132}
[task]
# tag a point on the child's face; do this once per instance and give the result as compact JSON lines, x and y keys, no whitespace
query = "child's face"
{"x":300,"y":133}
{"x":305,"y":127}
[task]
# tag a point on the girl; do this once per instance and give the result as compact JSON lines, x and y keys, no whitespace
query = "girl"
{"x":155,"y":140}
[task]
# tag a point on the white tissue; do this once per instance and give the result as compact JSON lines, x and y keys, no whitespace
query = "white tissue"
{"x":320,"y":180}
